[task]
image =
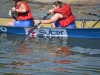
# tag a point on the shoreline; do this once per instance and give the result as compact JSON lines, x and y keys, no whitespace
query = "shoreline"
{"x":70,"y":1}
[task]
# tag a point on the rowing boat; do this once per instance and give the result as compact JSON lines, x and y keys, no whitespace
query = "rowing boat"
{"x":53,"y":32}
{"x":80,"y":32}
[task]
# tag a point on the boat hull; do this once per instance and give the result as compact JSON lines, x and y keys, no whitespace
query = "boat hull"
{"x":53,"y":32}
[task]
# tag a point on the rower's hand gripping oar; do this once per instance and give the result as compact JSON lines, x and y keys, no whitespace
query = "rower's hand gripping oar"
{"x":31,"y":30}
{"x":13,"y":14}
{"x":93,"y":14}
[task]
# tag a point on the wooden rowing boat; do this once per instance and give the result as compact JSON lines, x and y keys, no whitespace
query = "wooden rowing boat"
{"x":83,"y":30}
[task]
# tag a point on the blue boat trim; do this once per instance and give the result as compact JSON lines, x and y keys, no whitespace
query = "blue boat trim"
{"x":84,"y":32}
{"x":54,"y":32}
{"x":12,"y":30}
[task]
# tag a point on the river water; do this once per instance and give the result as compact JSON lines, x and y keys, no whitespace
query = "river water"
{"x":40,"y":9}
{"x":47,"y":55}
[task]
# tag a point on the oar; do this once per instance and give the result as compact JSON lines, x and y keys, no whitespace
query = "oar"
{"x":96,"y":23}
{"x":88,"y":13}
{"x":31,"y":30}
{"x":14,"y":15}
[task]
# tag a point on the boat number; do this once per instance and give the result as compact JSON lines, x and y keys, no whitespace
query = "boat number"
{"x":3,"y":29}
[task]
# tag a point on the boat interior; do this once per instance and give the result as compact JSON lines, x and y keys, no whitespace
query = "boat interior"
{"x":80,"y":23}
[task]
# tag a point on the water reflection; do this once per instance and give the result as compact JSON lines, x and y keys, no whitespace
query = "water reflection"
{"x":61,"y":51}
{"x":83,"y":42}
{"x":51,"y":55}
{"x":7,"y":40}
{"x":46,"y":55}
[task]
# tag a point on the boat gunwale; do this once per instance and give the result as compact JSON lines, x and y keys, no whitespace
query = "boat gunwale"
{"x":75,"y":19}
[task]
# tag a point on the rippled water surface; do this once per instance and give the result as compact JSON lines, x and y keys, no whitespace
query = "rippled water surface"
{"x":49,"y":56}
{"x":46,"y":55}
{"x":40,"y":9}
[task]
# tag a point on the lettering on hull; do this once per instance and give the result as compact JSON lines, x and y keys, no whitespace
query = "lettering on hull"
{"x":52,"y":32}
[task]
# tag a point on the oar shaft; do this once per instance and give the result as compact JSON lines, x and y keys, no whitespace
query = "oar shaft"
{"x":31,"y":30}
{"x":46,"y":16}
{"x":96,"y":23}
{"x":88,"y":13}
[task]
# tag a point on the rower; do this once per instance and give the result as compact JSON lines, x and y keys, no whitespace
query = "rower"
{"x":22,"y":15}
{"x":62,"y":18}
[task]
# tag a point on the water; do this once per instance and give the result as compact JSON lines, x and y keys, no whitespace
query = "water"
{"x":40,"y":9}
{"x":49,"y":56}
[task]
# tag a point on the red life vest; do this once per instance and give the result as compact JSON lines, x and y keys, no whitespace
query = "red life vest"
{"x":68,"y":17}
{"x":26,"y":15}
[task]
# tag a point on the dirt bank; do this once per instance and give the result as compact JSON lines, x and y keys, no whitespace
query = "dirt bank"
{"x":70,"y":1}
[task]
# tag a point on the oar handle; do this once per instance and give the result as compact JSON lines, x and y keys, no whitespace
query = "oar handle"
{"x":88,"y":13}
{"x":14,"y":15}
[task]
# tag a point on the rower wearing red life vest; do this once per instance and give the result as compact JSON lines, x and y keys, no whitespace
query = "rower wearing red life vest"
{"x":63,"y":16}
{"x":24,"y":16}
{"x":67,"y":18}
